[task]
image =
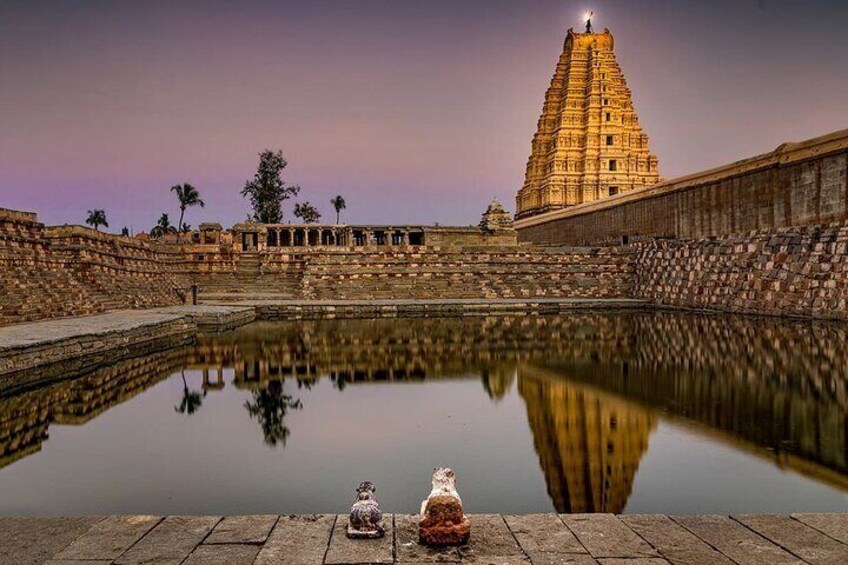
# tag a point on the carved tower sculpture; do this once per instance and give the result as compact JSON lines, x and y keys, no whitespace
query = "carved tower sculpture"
{"x":588,"y":144}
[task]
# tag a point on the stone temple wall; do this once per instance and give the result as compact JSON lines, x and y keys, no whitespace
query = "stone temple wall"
{"x":789,"y":272}
{"x":798,"y":184}
{"x":73,"y":271}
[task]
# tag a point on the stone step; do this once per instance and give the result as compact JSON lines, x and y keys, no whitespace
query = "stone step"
{"x":526,"y":539}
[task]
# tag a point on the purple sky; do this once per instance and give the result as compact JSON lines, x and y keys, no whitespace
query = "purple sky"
{"x":416,"y":112}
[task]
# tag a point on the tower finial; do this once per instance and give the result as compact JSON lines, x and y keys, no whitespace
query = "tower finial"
{"x":589,"y":22}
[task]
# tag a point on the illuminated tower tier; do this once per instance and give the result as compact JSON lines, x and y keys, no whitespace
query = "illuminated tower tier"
{"x":588,"y":144}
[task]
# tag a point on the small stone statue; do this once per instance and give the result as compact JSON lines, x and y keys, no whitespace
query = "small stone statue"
{"x":442,"y":520}
{"x":366,"y":519}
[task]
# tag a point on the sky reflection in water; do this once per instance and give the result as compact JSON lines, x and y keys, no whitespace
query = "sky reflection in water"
{"x":587,"y":413}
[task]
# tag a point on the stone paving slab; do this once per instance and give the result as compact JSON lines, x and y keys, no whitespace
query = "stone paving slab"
{"x":214,"y":317}
{"x":224,"y":555}
{"x":807,"y":543}
{"x":492,"y":542}
{"x":50,"y":331}
{"x":47,"y":332}
{"x":736,"y":541}
{"x":673,"y":541}
{"x":538,"y":539}
{"x":606,"y":536}
{"x":242,"y":529}
{"x":171,"y":542}
{"x":78,"y":344}
{"x":29,"y":541}
{"x":298,"y":540}
{"x":109,"y":539}
{"x":833,"y":525}
{"x":545,"y":537}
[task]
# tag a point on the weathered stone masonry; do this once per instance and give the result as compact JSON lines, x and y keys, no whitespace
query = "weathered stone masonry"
{"x":789,"y":272}
{"x":463,"y":273}
{"x":56,"y":272}
{"x":70,"y":271}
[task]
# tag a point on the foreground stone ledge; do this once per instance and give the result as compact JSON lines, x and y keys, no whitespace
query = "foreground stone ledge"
{"x":503,"y":539}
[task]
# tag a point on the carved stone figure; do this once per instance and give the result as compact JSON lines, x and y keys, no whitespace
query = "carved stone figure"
{"x":443,"y":521}
{"x":366,"y":519}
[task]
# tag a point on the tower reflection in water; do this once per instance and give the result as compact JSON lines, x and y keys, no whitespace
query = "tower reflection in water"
{"x":589,"y":442}
{"x":594,"y":386}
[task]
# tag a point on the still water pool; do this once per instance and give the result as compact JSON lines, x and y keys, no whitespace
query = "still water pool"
{"x":592,"y":412}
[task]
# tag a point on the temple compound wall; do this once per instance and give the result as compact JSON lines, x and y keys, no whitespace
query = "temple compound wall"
{"x":798,"y":184}
{"x":51,"y":272}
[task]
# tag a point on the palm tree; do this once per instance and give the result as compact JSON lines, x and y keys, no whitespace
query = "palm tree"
{"x":187,"y":196}
{"x":339,"y":204}
{"x":163,"y":226}
{"x":191,"y":401}
{"x":97,"y":218}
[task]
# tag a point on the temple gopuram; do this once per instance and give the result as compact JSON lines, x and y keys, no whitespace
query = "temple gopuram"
{"x":588,"y":144}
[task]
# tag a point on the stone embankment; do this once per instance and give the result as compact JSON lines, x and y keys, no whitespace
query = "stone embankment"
{"x":419,"y":273}
{"x":799,"y":272}
{"x":75,"y":271}
{"x":587,"y":539}
{"x":72,"y":271}
{"x":70,"y":346}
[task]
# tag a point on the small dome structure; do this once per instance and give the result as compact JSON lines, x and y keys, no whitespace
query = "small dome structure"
{"x":495,"y":218}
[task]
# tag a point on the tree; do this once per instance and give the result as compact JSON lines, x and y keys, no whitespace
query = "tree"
{"x":163,"y":226}
{"x":97,"y":218}
{"x":187,"y":196}
{"x":306,"y":212}
{"x":191,"y":400}
{"x":267,"y":190}
{"x":269,"y":407}
{"x":339,"y":204}
{"x":125,"y":231}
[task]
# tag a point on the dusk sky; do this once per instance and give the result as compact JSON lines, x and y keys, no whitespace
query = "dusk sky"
{"x":415,"y":111}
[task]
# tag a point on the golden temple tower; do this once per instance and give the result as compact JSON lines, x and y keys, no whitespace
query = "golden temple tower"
{"x":588,"y":143}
